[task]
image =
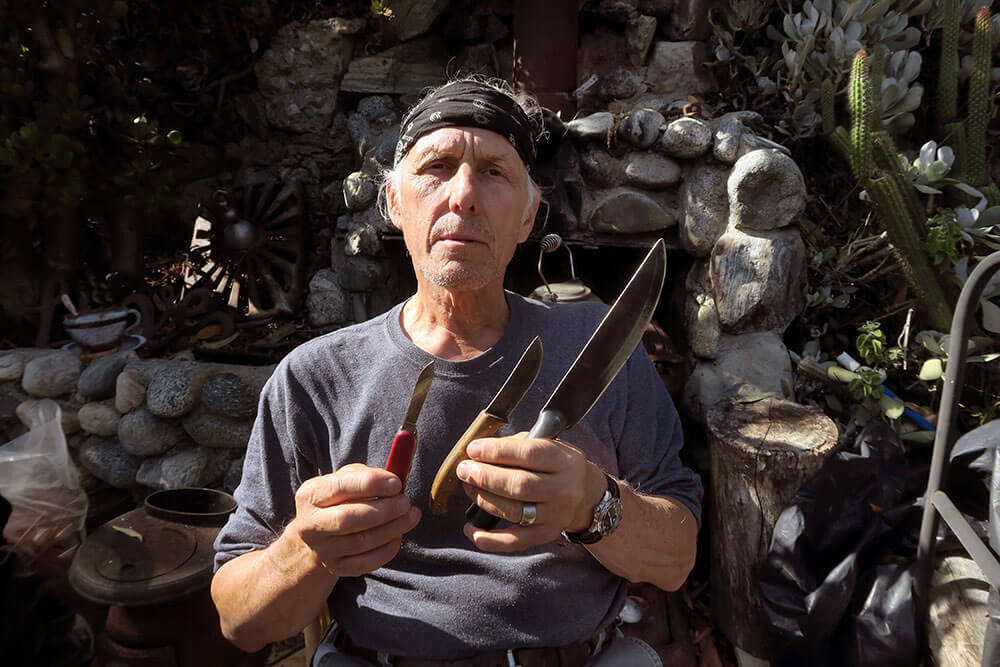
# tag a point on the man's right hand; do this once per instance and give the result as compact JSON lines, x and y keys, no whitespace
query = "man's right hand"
{"x":352,"y":520}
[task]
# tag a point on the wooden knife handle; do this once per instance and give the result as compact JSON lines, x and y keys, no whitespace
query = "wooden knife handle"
{"x":446,"y":481}
{"x":550,"y":424}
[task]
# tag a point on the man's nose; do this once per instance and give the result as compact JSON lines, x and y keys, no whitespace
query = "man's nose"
{"x":463,"y":193}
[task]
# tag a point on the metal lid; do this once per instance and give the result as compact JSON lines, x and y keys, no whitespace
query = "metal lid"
{"x":140,"y":558}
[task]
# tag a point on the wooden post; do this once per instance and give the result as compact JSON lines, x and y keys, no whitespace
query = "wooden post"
{"x":761,"y":453}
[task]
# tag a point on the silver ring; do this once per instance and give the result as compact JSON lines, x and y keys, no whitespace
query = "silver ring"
{"x":528,"y":515}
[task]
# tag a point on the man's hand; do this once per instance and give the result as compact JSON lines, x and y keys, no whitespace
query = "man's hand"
{"x":505,"y":474}
{"x":352,"y":520}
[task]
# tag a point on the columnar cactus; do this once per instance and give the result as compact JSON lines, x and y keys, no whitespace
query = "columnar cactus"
{"x":890,"y":195}
{"x":979,"y":99}
{"x":827,"y":98}
{"x":947,"y":89}
{"x":860,"y":103}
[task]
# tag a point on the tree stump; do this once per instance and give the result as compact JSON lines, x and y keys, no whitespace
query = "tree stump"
{"x":957,"y":617}
{"x":761,"y":453}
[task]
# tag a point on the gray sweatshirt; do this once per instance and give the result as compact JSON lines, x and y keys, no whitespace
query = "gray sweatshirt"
{"x":340,"y":398}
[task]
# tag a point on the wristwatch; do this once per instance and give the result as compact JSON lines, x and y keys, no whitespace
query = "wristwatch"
{"x":607,"y":516}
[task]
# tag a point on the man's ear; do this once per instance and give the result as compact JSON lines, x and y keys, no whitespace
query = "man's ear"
{"x":392,"y":204}
{"x":529,"y":221}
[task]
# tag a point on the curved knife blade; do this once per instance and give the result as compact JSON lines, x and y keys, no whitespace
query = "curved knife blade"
{"x":600,"y":359}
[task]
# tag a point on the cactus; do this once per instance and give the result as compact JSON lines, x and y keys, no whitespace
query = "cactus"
{"x":947,"y":98}
{"x":826,"y":95}
{"x":979,"y":99}
{"x":860,"y":103}
{"x":895,"y":200}
{"x":889,"y":194}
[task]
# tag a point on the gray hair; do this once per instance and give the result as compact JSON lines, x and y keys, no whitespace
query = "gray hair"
{"x":528,"y":103}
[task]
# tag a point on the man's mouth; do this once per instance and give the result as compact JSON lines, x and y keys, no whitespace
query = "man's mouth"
{"x":457,"y":238}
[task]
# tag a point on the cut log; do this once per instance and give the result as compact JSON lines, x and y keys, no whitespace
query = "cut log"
{"x":956,"y":626}
{"x":761,"y":453}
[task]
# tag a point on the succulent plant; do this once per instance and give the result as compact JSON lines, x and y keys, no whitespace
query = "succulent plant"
{"x":931,"y":166}
{"x":818,"y":44}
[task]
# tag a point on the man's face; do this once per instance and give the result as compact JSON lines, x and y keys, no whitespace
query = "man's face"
{"x":462,"y":203}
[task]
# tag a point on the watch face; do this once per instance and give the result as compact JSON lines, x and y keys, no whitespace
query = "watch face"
{"x":610,"y":518}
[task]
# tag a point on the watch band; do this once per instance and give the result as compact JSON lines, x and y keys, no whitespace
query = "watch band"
{"x":591,"y":536}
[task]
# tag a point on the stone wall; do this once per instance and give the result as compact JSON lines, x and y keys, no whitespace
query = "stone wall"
{"x":130,"y":422}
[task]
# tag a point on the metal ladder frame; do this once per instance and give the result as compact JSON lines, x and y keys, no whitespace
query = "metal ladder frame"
{"x":936,"y":501}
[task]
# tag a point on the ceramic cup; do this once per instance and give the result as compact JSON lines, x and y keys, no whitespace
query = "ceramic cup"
{"x":101,"y":329}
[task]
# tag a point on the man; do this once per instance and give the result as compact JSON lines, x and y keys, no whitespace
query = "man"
{"x":321,"y":522}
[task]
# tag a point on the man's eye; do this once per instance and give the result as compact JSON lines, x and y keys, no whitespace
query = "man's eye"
{"x":493,"y":171}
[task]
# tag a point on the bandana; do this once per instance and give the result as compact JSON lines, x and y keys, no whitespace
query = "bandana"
{"x":468,"y":104}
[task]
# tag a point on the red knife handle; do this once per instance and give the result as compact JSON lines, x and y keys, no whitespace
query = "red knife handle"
{"x":401,"y":455}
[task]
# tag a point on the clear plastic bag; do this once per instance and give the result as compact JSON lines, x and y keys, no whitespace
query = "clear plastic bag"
{"x":40,"y":481}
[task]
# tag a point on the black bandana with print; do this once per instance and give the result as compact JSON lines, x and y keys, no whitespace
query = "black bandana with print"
{"x":468,"y":104}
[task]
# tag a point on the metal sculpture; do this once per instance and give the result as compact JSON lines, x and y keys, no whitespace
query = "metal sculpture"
{"x":250,"y":246}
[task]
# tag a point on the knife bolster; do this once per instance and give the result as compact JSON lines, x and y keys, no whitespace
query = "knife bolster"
{"x":446,"y":481}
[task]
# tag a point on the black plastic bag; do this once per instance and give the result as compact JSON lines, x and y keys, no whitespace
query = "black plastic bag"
{"x":835,"y":584}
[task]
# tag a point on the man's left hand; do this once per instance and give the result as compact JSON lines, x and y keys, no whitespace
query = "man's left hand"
{"x":505,"y":474}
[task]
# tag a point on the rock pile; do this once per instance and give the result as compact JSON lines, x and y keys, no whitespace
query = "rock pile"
{"x":158,"y":424}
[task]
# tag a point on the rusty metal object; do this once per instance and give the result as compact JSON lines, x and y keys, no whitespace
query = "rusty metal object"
{"x":545,"y":42}
{"x":168,"y":319}
{"x":250,"y":246}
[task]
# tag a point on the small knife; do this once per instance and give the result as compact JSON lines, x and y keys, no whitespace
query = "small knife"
{"x":599,"y":361}
{"x":403,"y":446}
{"x":487,"y":422}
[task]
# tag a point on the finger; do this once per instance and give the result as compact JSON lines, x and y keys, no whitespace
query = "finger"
{"x":332,"y":549}
{"x":359,"y":564}
{"x":514,"y":483}
{"x":530,"y":453}
{"x":355,"y":517}
{"x":503,"y":507}
{"x":351,"y":482}
{"x":508,"y":540}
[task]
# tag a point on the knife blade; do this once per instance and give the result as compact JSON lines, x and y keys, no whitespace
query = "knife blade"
{"x":599,"y":361}
{"x":405,"y":442}
{"x":487,"y":422}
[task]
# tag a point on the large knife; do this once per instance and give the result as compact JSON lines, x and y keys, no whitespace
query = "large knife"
{"x":488,"y":422}
{"x":405,"y":442}
{"x":600,"y":359}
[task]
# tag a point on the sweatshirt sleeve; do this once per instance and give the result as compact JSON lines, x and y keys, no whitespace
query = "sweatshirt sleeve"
{"x":277,"y":461}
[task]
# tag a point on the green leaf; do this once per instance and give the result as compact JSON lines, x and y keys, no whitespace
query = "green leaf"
{"x":918,"y":437}
{"x":932,"y":370}
{"x":841,"y":374}
{"x":891,"y":407}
